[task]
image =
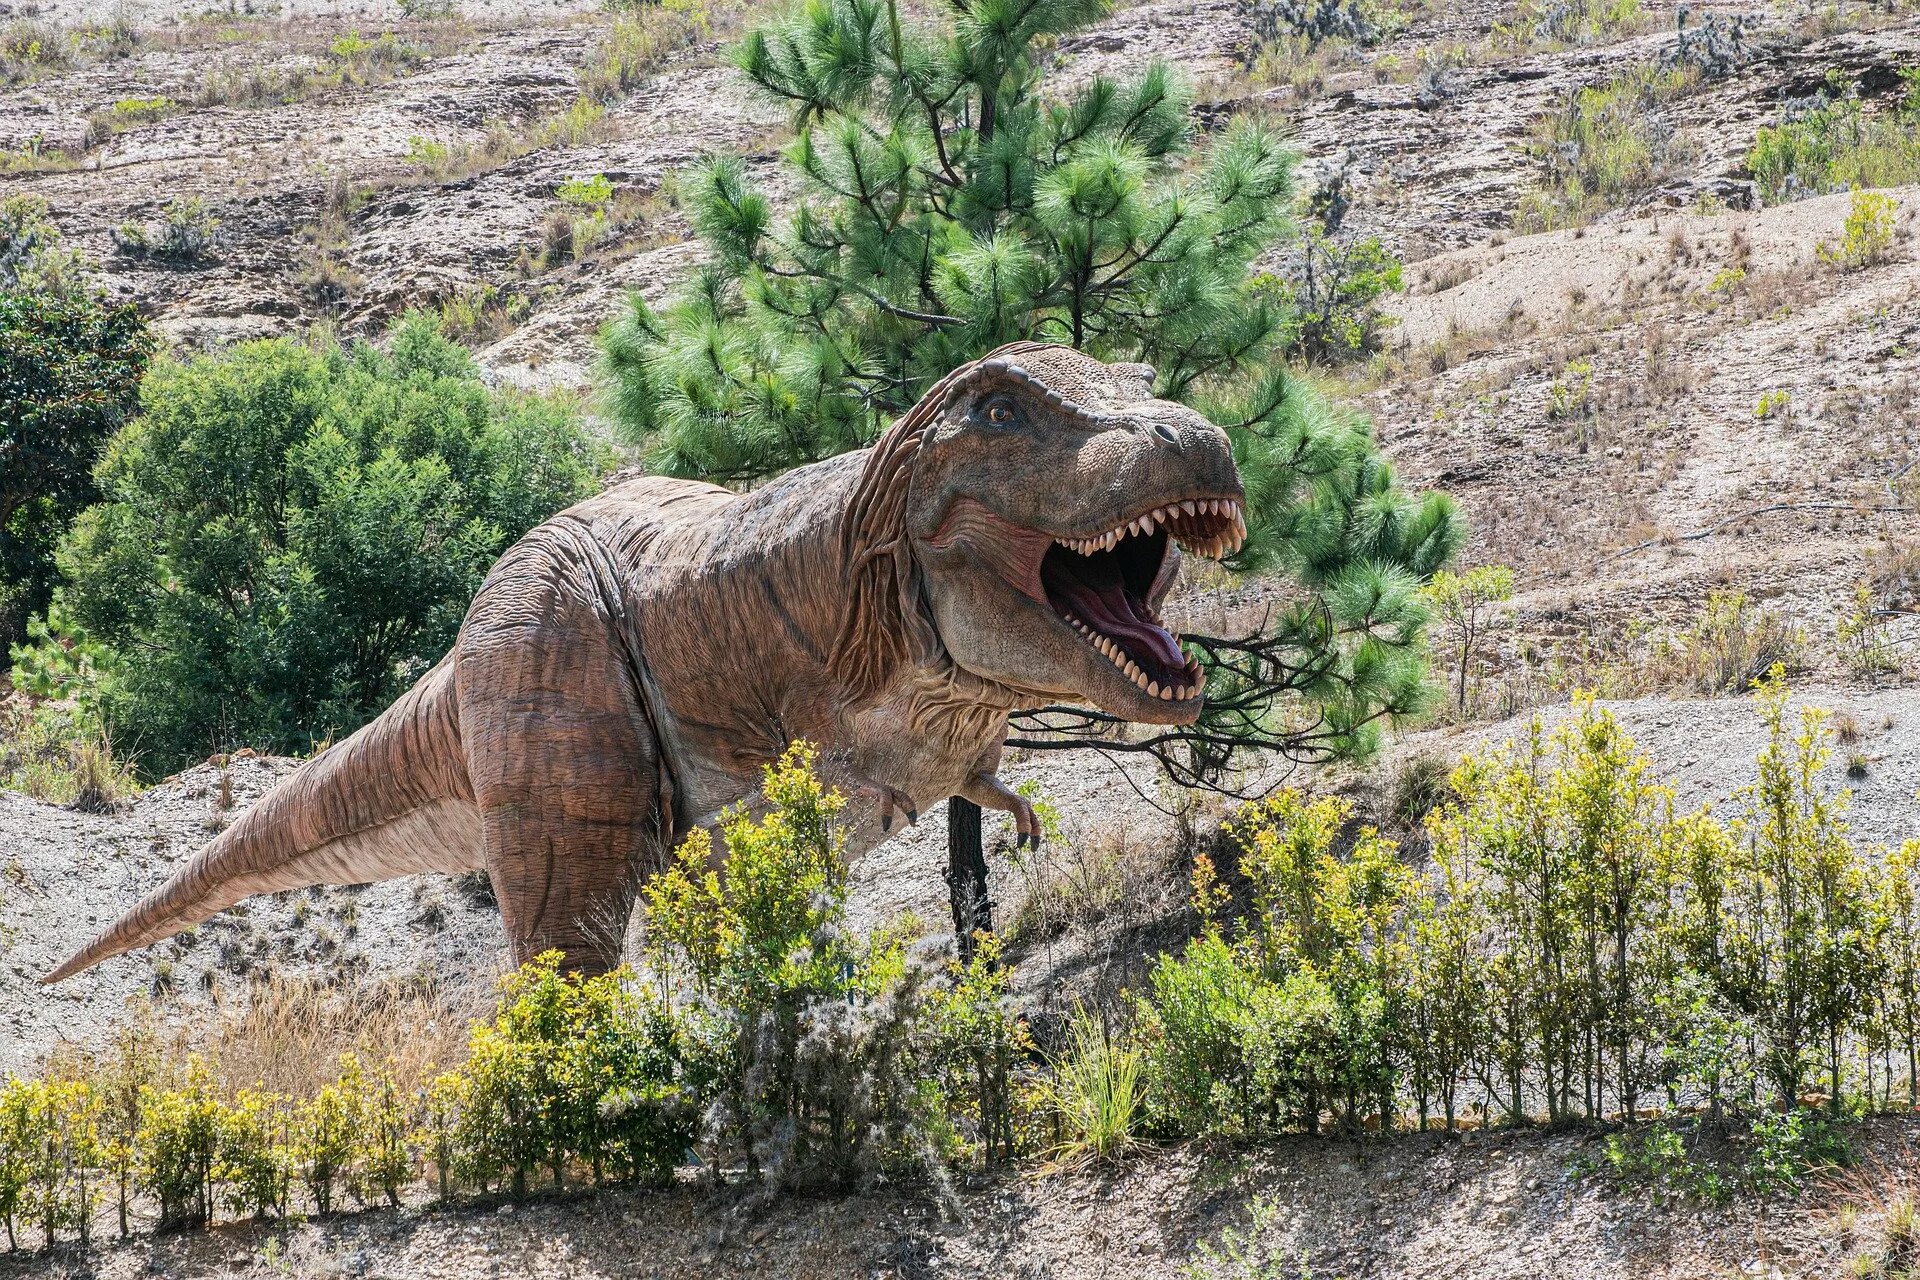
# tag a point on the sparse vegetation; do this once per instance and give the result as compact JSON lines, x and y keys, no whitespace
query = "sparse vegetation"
{"x":1772,"y":404}
{"x":1552,"y":23}
{"x":1570,"y":394}
{"x":1609,"y":145}
{"x":1730,"y":645}
{"x":30,"y":47}
{"x":187,"y":233}
{"x":1868,"y":648}
{"x":638,"y":41}
{"x":1867,"y":236}
{"x":1831,"y":143}
{"x":1464,"y":603}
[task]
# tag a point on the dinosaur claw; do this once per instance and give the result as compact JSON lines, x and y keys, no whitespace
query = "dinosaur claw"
{"x":913,"y":817}
{"x":886,"y":822}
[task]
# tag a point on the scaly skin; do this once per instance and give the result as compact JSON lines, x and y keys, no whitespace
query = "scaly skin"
{"x":629,"y":666}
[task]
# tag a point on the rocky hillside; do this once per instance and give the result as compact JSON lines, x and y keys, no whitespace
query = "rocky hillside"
{"x":1675,"y":398}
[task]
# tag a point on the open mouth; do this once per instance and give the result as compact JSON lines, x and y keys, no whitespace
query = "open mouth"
{"x":1100,"y":586}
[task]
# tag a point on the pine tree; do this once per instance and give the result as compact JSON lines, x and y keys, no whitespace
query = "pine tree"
{"x":948,"y":203}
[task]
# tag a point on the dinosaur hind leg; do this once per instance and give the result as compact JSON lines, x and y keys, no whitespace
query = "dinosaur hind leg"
{"x":574,"y":805}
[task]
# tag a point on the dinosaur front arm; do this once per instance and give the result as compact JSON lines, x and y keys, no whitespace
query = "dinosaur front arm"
{"x":985,"y":789}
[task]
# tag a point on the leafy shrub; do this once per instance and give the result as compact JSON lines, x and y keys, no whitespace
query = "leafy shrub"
{"x":28,"y":236}
{"x":178,"y":1142}
{"x":586,"y":193}
{"x":1733,"y":643}
{"x":978,"y":1045}
{"x":1267,"y":1025}
{"x":359,"y":60}
{"x":1332,"y":294}
{"x":1866,"y":642}
{"x":290,"y":536}
{"x":70,"y":371}
{"x":1775,"y":1155}
{"x":1242,"y":1252}
{"x":1570,"y":395}
{"x":816,"y":1038}
{"x":1464,"y":603}
{"x":1772,"y":403}
{"x":251,"y":1154}
{"x":572,"y":1069}
{"x":1867,"y":235}
{"x":326,"y":1133}
{"x":1829,"y":143}
{"x":430,"y":156}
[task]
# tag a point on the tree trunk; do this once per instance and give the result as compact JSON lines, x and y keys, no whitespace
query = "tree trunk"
{"x":966,"y":875}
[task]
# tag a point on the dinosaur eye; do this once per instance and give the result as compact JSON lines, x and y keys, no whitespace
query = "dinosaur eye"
{"x":999,"y":412}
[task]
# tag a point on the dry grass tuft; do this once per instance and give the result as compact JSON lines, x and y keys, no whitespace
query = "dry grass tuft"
{"x":289,"y":1033}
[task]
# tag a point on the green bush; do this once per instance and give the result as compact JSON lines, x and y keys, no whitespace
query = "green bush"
{"x":178,"y":1142}
{"x":1865,"y":238}
{"x":1331,"y":296}
{"x":70,"y":370}
{"x":816,"y":1037}
{"x":571,"y":1069}
{"x":288,"y":537}
{"x":252,"y":1153}
{"x":326,"y":1134}
{"x":1264,"y":1026}
{"x":1834,"y":145}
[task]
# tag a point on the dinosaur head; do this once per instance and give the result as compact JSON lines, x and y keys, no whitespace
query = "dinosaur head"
{"x":1049,"y":497}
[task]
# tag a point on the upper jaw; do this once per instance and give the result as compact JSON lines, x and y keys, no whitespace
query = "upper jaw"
{"x":1206,"y":526}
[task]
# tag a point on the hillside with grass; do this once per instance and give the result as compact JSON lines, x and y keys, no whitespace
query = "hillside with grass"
{"x":1603,"y":959}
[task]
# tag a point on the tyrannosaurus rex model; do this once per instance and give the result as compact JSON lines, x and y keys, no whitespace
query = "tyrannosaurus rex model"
{"x":628,"y":667}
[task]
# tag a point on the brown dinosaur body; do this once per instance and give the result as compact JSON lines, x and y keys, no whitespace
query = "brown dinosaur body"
{"x":628,"y":667}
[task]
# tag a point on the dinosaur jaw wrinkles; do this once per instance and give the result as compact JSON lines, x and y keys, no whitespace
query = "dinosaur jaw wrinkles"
{"x":1102,"y":587}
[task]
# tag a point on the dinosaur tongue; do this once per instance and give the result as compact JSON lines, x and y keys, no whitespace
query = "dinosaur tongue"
{"x":1093,"y":589}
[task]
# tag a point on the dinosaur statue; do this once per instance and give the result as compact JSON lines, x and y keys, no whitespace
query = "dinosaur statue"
{"x":628,"y":667}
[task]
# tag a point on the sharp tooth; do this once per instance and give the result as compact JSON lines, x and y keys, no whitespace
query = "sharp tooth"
{"x":1153,"y":688}
{"x":1189,"y":507}
{"x":1135,"y":529}
{"x":1166,"y":694}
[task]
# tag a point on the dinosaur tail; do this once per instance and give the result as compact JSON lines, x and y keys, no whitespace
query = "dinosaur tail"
{"x":391,"y":800}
